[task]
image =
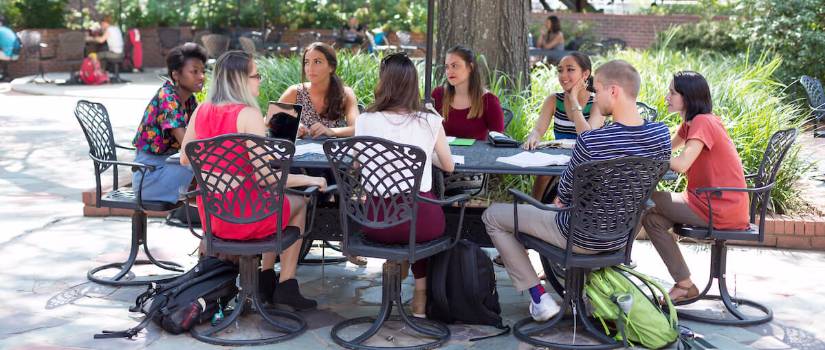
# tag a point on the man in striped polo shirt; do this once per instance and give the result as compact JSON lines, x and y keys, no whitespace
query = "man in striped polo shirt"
{"x":617,"y":85}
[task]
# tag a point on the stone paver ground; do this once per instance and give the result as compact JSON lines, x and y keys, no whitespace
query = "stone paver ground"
{"x":48,"y":247}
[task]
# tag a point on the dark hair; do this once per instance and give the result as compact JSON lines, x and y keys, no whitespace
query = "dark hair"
{"x":584,"y":63}
{"x":555,"y":25}
{"x":334,"y":99}
{"x":476,"y":89}
{"x":695,"y":93}
{"x":107,"y":19}
{"x":178,"y":56}
{"x":397,"y":88}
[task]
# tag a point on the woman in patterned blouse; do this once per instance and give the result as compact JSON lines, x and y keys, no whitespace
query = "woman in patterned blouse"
{"x":330,"y":107}
{"x":164,"y":122}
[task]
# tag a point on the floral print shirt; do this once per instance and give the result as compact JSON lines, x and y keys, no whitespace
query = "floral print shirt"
{"x":164,"y":113}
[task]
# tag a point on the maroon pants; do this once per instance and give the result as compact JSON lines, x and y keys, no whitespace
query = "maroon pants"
{"x":429,"y":225}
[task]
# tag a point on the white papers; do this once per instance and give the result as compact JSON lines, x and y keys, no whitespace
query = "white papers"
{"x":458,"y":159}
{"x":533,"y":159}
{"x":450,"y":139}
{"x":309,"y":148}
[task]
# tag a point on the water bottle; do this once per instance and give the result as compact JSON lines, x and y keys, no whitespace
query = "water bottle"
{"x":530,"y":39}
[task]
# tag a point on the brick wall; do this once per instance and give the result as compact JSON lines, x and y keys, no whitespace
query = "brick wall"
{"x":639,"y":31}
{"x":152,"y":56}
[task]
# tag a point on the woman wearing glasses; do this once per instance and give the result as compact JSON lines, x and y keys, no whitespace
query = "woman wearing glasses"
{"x":469,"y":110}
{"x":232,"y":107}
{"x":330,"y":107}
{"x":397,"y":115}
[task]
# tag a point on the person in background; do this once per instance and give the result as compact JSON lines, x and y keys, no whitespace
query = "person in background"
{"x":113,"y":37}
{"x":353,"y":32}
{"x":164,"y":122}
{"x":468,"y":108}
{"x":552,"y":38}
{"x":8,"y":41}
{"x":709,"y":159}
{"x":397,"y":115}
{"x":232,"y":107}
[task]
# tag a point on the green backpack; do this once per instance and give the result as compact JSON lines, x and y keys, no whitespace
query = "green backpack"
{"x":642,"y":321}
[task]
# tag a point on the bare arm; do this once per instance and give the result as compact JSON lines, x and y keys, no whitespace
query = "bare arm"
{"x":548,"y":108}
{"x":351,"y":113}
{"x":443,"y":158}
{"x":676,"y":142}
{"x":188,"y":136}
{"x":682,"y":163}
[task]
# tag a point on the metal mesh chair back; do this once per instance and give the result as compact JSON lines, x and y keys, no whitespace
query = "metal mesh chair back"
{"x":377,"y":179}
{"x":609,"y":197}
{"x":816,"y":95}
{"x":215,"y":44}
{"x":778,"y":147}
{"x":247,"y":44}
{"x":30,"y":40}
{"x":240,"y":177}
{"x":647,"y":112}
{"x":94,"y":120}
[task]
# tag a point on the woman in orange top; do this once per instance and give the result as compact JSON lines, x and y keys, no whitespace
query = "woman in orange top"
{"x":709,"y":159}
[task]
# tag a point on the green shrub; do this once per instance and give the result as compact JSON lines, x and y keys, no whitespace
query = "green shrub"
{"x":40,"y":13}
{"x":704,"y":35}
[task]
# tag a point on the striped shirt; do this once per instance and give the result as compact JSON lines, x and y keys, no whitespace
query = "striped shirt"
{"x":651,"y":140}
{"x":563,"y":127}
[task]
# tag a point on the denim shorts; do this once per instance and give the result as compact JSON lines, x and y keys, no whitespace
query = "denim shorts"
{"x":166,"y":182}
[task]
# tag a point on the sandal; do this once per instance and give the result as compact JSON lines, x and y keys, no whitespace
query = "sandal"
{"x":689,"y":293}
{"x":357,"y":260}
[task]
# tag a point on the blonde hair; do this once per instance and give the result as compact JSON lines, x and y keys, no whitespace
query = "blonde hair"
{"x":229,"y":80}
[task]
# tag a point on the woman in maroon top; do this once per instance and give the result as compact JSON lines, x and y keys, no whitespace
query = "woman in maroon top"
{"x":469,"y":110}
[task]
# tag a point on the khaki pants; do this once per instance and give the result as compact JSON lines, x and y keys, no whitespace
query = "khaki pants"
{"x":498,"y":219}
{"x":671,"y":208}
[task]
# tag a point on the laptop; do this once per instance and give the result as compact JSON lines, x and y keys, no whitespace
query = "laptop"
{"x":282,"y":120}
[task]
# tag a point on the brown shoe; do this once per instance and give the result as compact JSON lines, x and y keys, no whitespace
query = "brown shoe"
{"x":419,"y":303}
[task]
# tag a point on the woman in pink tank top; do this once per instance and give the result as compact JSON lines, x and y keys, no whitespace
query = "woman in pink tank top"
{"x":232,"y":107}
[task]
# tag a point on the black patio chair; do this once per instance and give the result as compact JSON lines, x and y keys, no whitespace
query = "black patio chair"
{"x":169,"y":38}
{"x":248,"y":45}
{"x":647,"y":112}
{"x":221,"y":165}
{"x":816,"y":101}
{"x":609,"y":199}
{"x":381,"y":177}
{"x":94,"y":120}
{"x":32,"y":45}
{"x":760,"y":196}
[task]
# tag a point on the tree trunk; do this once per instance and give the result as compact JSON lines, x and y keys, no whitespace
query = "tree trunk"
{"x":496,"y":29}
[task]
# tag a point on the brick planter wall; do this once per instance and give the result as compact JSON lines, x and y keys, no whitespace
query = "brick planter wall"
{"x":152,"y":56}
{"x":639,"y":31}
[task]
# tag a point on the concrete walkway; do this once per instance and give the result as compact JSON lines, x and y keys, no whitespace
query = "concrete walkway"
{"x":48,"y":247}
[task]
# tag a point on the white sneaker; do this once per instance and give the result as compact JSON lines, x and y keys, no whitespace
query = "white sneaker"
{"x":544,"y":309}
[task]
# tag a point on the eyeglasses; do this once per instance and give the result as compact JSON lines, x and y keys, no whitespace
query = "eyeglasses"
{"x":256,"y":76}
{"x":392,"y":56}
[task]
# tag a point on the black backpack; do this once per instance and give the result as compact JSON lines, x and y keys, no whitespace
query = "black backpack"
{"x":461,"y":288}
{"x":185,"y":301}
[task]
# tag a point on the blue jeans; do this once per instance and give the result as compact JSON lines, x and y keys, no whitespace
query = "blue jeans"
{"x":166,"y":182}
{"x":564,"y":135}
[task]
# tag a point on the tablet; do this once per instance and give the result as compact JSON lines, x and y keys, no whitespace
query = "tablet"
{"x":282,"y":120}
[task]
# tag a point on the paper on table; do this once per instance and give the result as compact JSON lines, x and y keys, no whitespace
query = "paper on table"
{"x":309,"y":148}
{"x":450,"y":139}
{"x":458,"y":159}
{"x":533,"y":159}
